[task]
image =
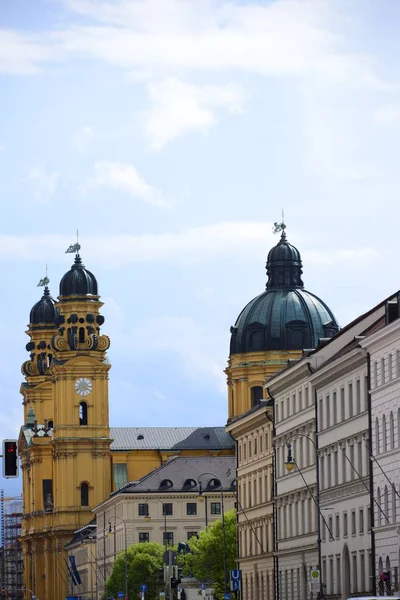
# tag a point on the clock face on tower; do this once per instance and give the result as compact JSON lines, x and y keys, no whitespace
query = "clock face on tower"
{"x":83,"y":386}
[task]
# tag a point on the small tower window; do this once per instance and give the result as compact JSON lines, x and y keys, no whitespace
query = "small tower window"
{"x":50,"y":424}
{"x":83,"y":414}
{"x":256,"y":395}
{"x":81,"y":335}
{"x":84,"y":494}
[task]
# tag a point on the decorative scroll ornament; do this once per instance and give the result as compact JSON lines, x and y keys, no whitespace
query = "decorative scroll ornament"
{"x":59,"y":343}
{"x":90,"y":343}
{"x":29,"y":368}
{"x":103,"y":343}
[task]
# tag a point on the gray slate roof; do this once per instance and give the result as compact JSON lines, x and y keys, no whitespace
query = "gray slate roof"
{"x":179,"y":469}
{"x":171,"y":438}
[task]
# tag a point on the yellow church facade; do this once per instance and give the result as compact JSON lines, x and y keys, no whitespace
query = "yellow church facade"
{"x":70,"y":458}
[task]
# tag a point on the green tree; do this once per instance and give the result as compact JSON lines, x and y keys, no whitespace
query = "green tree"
{"x":144,"y":564}
{"x":206,"y":562}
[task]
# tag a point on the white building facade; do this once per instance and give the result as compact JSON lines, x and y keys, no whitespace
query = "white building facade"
{"x":296,"y":511}
{"x":321,"y":409}
{"x":169,"y":505}
{"x":341,"y":391}
{"x":383,"y":348}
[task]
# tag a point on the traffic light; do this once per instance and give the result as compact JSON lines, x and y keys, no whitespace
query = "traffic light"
{"x":10,"y":458}
{"x":176,"y":577}
{"x":3,"y":591}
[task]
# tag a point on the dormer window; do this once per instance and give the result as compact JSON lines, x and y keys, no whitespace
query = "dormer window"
{"x":214,"y":483}
{"x":189,"y":484}
{"x":166,"y":484}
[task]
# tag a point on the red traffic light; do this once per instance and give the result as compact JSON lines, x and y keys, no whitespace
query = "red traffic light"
{"x":10,"y":458}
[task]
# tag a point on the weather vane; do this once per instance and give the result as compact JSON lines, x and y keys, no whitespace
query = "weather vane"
{"x":74,"y":247}
{"x":279,"y":226}
{"x":44,"y":281}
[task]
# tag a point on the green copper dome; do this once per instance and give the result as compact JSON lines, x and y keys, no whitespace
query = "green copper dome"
{"x":285,"y":316}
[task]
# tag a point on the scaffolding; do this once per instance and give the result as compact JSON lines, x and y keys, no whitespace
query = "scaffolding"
{"x":12,"y":570}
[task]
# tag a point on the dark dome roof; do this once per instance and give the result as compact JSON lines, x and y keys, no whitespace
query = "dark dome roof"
{"x":45,"y":311}
{"x":285,"y":316}
{"x":78,"y":281}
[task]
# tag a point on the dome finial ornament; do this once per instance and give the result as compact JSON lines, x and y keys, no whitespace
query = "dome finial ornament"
{"x":278,"y":227}
{"x":44,"y":282}
{"x":74,"y":247}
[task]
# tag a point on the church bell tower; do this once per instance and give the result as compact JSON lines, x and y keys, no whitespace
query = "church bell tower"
{"x":65,"y":441}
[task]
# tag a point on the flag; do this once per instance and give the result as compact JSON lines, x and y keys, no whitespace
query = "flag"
{"x":43,"y":282}
{"x":75,"y":573}
{"x":73,"y":248}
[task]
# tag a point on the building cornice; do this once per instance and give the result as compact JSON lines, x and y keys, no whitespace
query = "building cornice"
{"x":342,"y":365}
{"x":388,"y":333}
{"x":289,"y":377}
{"x":250,"y":420}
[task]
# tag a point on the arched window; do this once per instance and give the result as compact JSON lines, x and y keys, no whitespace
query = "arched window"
{"x":398,"y":428}
{"x":84,"y":494}
{"x":386,"y":504}
{"x":83,"y":420}
{"x":81,"y":335}
{"x":256,"y":395}
{"x":384,"y":434}
{"x":377,"y":435}
{"x":379,"y":507}
{"x":394,"y":499}
{"x":391,"y":433}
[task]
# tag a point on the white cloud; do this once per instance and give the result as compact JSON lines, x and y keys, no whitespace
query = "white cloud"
{"x":179,"y":107}
{"x":388,"y":115}
{"x":83,"y":139}
{"x":21,"y":54}
{"x":238,"y":240}
{"x":45,"y":183}
{"x":201,"y":351}
{"x":123,"y":178}
{"x":287,"y":37}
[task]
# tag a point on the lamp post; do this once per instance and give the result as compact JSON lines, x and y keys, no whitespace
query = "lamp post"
{"x":223,"y":523}
{"x":147,"y":518}
{"x":126,"y":550}
{"x":290,"y":463}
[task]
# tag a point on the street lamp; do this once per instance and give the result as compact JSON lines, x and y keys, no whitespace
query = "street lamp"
{"x":290,"y":464}
{"x":126,"y":550}
{"x":164,"y":512}
{"x":223,"y":522}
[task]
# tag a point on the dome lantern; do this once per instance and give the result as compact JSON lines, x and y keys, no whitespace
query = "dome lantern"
{"x":284,"y":267}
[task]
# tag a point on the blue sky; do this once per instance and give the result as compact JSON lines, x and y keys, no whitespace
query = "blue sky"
{"x":171,"y":133}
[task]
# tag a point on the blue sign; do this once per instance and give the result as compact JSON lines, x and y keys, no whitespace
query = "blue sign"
{"x":236,"y":575}
{"x":203,"y":586}
{"x":227,"y":596}
{"x":235,"y":585}
{"x":143,"y":587}
{"x":121,"y":594}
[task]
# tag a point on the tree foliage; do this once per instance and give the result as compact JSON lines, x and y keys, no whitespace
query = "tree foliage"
{"x":206,"y":563}
{"x":144,"y":563}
